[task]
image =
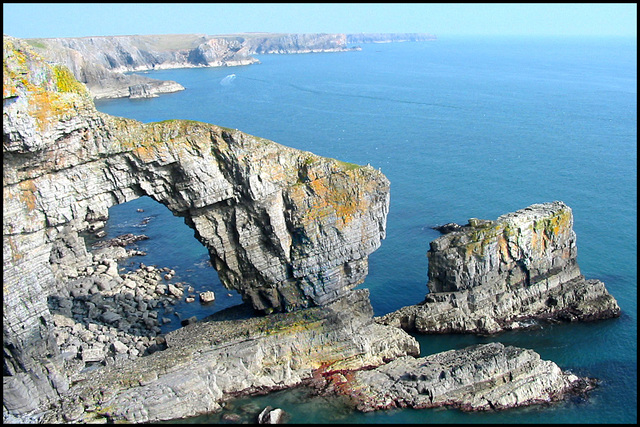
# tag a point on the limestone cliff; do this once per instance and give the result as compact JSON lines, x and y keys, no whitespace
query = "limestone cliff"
{"x":491,"y":276}
{"x":286,"y":228}
{"x":104,"y":63}
{"x":101,"y":62}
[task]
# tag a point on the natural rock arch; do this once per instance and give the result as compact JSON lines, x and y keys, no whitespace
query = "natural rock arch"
{"x":286,"y":228}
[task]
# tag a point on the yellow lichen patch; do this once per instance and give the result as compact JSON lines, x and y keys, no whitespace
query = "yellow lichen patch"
{"x":66,"y":82}
{"x":27,"y":195}
{"x":503,"y":246}
{"x":538,"y":241}
{"x":333,"y":199}
{"x":482,"y":237}
{"x":52,"y":93}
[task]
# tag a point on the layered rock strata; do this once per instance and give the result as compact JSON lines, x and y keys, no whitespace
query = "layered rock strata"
{"x":208,"y":362}
{"x":102,"y":63}
{"x":490,"y":276}
{"x":286,"y":228}
{"x":477,"y":378}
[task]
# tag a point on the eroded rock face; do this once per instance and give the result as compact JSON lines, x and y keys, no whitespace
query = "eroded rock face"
{"x":491,"y":276}
{"x":286,"y":228}
{"x":100,"y":62}
{"x":482,"y":377}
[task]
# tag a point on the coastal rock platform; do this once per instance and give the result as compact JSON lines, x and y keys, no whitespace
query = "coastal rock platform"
{"x":210,"y":361}
{"x":477,"y":378}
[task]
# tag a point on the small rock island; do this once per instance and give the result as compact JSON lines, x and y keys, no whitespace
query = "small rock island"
{"x":491,"y":276}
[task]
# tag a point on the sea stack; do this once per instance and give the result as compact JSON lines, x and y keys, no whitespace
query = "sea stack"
{"x":489,"y":276}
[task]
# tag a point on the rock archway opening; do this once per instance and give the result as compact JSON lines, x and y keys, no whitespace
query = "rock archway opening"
{"x":162,"y":242}
{"x":144,"y":274}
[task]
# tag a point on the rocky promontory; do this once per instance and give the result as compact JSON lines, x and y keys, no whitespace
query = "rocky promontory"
{"x":477,"y":378}
{"x":286,"y":228}
{"x":104,"y":64}
{"x":491,"y":276}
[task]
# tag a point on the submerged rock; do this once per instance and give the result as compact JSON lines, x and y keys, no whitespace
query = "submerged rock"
{"x":491,"y":276}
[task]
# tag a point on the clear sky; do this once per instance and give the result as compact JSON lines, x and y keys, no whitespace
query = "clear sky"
{"x":33,"y":20}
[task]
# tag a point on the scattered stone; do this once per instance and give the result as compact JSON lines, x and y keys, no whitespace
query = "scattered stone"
{"x":176,"y":292}
{"x":122,"y":240}
{"x":207,"y":296}
{"x":93,"y":354}
{"x":189,"y":321}
{"x":110,"y":317}
{"x":119,"y":347}
{"x":62,"y":321}
{"x":448,"y":228}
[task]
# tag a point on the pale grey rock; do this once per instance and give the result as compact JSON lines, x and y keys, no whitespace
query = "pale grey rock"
{"x":207,"y":296}
{"x":269,"y":415}
{"x":176,"y":292}
{"x":481,"y":377}
{"x":119,"y":347}
{"x":94,"y":354}
{"x":492,"y":276}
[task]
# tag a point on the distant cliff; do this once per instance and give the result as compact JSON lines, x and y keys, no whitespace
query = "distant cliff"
{"x":104,"y":63}
{"x":101,"y":62}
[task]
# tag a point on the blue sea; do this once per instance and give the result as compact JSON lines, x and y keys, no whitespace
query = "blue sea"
{"x":462,"y":127}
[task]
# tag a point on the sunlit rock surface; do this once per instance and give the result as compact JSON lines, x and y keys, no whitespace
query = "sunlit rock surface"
{"x":286,"y":228}
{"x":477,"y":378}
{"x":491,"y":276}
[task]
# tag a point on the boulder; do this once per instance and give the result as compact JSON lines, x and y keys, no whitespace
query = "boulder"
{"x":207,"y":296}
{"x":271,"y":416}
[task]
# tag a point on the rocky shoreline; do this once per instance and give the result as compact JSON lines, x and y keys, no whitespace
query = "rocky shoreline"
{"x":477,"y":378}
{"x":289,"y":230}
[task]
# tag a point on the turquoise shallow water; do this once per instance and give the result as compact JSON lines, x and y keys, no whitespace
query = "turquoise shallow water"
{"x":462,"y":128}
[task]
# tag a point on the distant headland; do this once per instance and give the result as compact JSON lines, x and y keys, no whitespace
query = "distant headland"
{"x":101,"y":63}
